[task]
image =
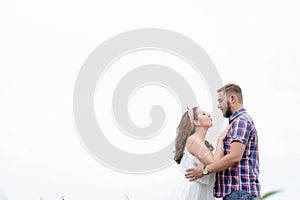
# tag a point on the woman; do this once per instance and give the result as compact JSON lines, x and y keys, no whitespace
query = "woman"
{"x":191,"y":147}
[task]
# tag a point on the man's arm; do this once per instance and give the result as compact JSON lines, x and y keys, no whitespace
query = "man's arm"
{"x":231,"y":159}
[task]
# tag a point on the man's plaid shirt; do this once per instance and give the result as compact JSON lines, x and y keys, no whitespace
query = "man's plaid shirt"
{"x":244,"y":175}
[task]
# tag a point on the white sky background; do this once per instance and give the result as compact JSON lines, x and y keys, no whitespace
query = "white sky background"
{"x":43,"y":45}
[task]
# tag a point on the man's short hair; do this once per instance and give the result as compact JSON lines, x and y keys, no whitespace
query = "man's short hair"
{"x":232,"y":89}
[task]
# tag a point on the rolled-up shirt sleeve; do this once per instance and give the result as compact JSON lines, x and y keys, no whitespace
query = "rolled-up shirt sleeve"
{"x":240,"y":130}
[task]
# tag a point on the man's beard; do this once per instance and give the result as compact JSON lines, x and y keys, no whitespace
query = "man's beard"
{"x":228,"y":112}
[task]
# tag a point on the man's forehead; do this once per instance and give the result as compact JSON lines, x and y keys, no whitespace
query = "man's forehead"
{"x":221,"y":94}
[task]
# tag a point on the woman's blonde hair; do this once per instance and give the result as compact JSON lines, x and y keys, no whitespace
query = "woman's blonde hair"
{"x":184,"y":130}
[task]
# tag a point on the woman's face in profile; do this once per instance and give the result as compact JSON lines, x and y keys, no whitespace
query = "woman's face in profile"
{"x":204,"y":119}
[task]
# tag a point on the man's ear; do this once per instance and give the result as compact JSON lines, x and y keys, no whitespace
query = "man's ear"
{"x":233,"y":98}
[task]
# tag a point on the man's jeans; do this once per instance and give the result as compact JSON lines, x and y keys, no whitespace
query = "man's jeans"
{"x":240,"y":195}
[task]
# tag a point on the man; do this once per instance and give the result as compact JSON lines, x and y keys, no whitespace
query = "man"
{"x":237,"y":172}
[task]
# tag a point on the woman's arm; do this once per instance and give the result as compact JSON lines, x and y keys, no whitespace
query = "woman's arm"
{"x":200,"y":150}
{"x":219,"y":153}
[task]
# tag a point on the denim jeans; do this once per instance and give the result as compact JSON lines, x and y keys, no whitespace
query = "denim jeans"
{"x":240,"y":195}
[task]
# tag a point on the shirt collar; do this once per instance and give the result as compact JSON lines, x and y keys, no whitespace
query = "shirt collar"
{"x":236,"y":114}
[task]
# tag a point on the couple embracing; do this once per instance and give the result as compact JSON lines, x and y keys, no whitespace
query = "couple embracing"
{"x":231,"y":170}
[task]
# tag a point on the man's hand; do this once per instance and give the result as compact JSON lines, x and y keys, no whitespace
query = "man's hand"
{"x":194,"y":173}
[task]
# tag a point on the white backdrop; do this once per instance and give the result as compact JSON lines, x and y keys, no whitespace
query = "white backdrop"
{"x":44,"y":43}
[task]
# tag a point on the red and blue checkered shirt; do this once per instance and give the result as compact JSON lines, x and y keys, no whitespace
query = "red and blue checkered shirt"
{"x":244,"y":175}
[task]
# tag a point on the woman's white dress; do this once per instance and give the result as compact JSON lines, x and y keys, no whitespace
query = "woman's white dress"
{"x":201,"y":189}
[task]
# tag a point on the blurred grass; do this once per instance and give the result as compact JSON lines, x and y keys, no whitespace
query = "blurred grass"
{"x":268,"y":194}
